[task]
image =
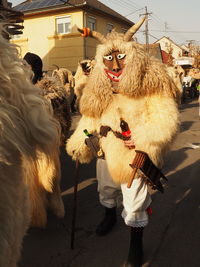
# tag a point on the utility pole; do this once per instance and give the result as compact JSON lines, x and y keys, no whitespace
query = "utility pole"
{"x":147,"y":28}
{"x":166,"y":27}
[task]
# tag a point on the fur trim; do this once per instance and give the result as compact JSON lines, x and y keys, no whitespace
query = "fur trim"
{"x":141,"y":76}
{"x":56,"y":94}
{"x":65,"y":78}
{"x":146,"y":100}
{"x":154,"y":123}
{"x":76,"y":146}
{"x":43,"y":177}
{"x":28,"y":129}
{"x":83,"y":71}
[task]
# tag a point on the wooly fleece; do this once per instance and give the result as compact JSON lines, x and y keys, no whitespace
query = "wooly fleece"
{"x":177,"y":74}
{"x":146,"y":100}
{"x":56,"y":94}
{"x":27,"y":128}
{"x":66,"y":79}
{"x":81,"y":77}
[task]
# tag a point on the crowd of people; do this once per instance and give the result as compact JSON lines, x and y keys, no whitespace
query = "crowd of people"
{"x":126,"y":99}
{"x":191,"y":87}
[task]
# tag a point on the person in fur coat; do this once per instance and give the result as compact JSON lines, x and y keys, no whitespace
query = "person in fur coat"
{"x":126,"y":87}
{"x":66,"y":80}
{"x":83,"y":71}
{"x":28,"y":129}
{"x":53,"y":89}
{"x":57,"y":96}
{"x":46,"y":171}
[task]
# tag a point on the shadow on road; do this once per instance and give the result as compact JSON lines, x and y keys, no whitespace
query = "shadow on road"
{"x":172,"y":238}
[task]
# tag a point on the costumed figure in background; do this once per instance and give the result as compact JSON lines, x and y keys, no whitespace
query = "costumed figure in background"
{"x":81,"y":76}
{"x":44,"y":187}
{"x":177,"y":73}
{"x":54,"y":90}
{"x":66,"y":79}
{"x":56,"y":94}
{"x":129,"y":102}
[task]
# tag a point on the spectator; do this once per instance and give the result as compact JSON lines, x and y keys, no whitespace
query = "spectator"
{"x":36,"y":64}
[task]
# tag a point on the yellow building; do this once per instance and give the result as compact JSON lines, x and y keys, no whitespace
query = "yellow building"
{"x":50,"y":29}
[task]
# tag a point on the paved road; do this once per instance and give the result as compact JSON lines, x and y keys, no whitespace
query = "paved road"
{"x":172,"y":238}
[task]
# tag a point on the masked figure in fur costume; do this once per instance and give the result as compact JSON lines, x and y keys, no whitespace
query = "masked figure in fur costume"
{"x":81,"y":76}
{"x":126,"y":87}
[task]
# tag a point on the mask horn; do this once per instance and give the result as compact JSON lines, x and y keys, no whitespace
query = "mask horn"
{"x":97,"y":35}
{"x":128,"y":35}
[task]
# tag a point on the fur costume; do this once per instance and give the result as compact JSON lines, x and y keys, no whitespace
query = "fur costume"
{"x":80,"y":78}
{"x":44,"y":185}
{"x":66,"y":79}
{"x":28,"y":130}
{"x":177,"y":73}
{"x":56,"y":94}
{"x":145,"y":99}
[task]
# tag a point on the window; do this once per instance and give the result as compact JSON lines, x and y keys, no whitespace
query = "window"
{"x":63,"y":25}
{"x":109,"y":27}
{"x":124,"y":30}
{"x":166,"y":44}
{"x":91,"y":23}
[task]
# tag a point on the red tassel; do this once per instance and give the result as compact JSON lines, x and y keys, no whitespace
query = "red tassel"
{"x":149,"y":210}
{"x":127,"y":133}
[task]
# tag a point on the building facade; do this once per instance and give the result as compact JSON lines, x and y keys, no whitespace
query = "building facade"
{"x":50,"y":29}
{"x":170,"y":47}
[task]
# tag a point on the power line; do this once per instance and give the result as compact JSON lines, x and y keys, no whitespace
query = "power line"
{"x":153,"y":36}
{"x":118,"y":4}
{"x":129,"y":3}
{"x":133,"y":12}
{"x":124,"y":8}
{"x":122,"y":4}
{"x":176,"y":31}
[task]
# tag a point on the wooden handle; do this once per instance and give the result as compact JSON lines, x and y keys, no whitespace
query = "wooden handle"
{"x":132,"y":177}
{"x":138,"y":161}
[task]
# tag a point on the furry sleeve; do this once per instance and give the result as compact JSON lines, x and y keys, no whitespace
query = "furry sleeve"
{"x":157,"y":127}
{"x":76,"y":146}
{"x":97,"y":94}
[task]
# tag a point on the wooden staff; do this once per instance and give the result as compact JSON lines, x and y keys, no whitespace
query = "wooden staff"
{"x":199,"y":103}
{"x":75,"y":204}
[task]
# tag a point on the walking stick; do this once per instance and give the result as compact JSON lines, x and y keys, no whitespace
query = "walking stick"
{"x":199,"y":103}
{"x":75,"y":204}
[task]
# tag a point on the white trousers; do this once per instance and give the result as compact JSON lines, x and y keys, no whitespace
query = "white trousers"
{"x":135,"y":199}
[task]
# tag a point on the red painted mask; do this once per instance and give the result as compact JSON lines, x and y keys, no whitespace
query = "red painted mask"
{"x":115,"y":64}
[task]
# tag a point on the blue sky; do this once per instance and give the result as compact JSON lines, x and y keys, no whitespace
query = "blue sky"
{"x":177,"y":19}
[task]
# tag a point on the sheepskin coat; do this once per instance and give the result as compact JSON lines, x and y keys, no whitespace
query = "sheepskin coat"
{"x":177,"y":73}
{"x":27,"y":126}
{"x":66,"y":79}
{"x":55,"y":93}
{"x":145,"y":99}
{"x":81,"y":77}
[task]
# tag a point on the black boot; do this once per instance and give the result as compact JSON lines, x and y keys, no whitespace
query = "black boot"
{"x":135,"y":255}
{"x":108,"y":222}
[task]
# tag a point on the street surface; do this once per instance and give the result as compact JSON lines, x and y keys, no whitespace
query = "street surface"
{"x":172,"y":238}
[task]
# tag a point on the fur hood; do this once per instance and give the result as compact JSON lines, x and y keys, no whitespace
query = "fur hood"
{"x":141,"y":76}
